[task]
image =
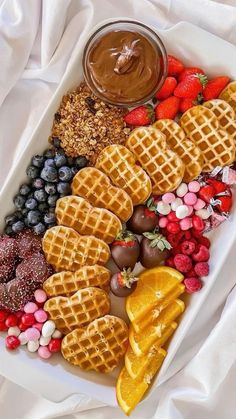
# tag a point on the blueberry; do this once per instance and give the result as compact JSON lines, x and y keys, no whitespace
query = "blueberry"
{"x":60,"y":160}
{"x":65,"y":173}
{"x":37,"y":161}
{"x":63,"y":188}
{"x":40,"y":195}
{"x":49,"y":162}
{"x":18,"y":215}
{"x":81,"y":162}
{"x":32,"y":172}
{"x":19,"y":201}
{"x":74,"y":170}
{"x":50,"y":188}
{"x":8,"y":230}
{"x":38,"y":183}
{"x":10,"y":219}
{"x":39,"y":228}
{"x":18,"y":226}
{"x":52,"y":199}
{"x":49,"y":174}
{"x":33,"y":217}
{"x":24,"y":212}
{"x":24,"y":189}
{"x":31,"y":203}
{"x":50,"y":153}
{"x":49,"y":218}
{"x":26,"y":222}
{"x":56,"y":142}
{"x":70,"y":161}
{"x":43,"y":207}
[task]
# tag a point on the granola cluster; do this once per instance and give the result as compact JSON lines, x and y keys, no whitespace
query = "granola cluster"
{"x":85,"y":125}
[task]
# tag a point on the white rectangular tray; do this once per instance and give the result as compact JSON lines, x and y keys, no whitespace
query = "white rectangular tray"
{"x":56,"y":379}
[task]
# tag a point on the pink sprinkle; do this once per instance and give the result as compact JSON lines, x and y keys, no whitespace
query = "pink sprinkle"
{"x":163,"y":221}
{"x":190,"y":210}
{"x":40,"y":316}
{"x":40,"y":296}
{"x":190,"y":198}
{"x":199,"y":204}
{"x":168,"y":197}
{"x":38,"y":326}
{"x":186,"y":224}
{"x":30,"y":308}
{"x":44,"y":352}
{"x":194,"y":186}
{"x":32,"y":333}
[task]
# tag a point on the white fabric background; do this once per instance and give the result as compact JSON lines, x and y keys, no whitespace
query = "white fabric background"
{"x":37,"y":39}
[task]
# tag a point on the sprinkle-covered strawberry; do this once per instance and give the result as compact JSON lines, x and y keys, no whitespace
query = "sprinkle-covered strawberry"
{"x":142,"y":115}
{"x":154,"y":249}
{"x":214,"y":87}
{"x":125,"y":250}
{"x":175,"y":66}
{"x":168,"y":108}
{"x":191,"y":86}
{"x":189,"y":71}
{"x":144,"y":218}
{"x":167,"y":89}
{"x":123,"y":283}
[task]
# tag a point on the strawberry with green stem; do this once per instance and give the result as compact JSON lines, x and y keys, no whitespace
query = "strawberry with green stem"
{"x":144,"y":218}
{"x":125,"y":250}
{"x":191,"y":86}
{"x":123,"y":283}
{"x":140,"y":116}
{"x":154,"y":249}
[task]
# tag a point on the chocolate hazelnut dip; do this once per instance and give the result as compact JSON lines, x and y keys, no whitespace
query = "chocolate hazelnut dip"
{"x":124,"y":66}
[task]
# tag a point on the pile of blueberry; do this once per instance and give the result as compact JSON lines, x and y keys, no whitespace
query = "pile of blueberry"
{"x":49,"y":176}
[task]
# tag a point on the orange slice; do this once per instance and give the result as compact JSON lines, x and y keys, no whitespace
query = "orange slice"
{"x":129,"y":392}
{"x":141,"y":342}
{"x":153,"y":287}
{"x":139,"y":366}
{"x":152,"y":315}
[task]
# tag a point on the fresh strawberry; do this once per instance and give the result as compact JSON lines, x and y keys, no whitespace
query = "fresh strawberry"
{"x":186,"y":104}
{"x":125,"y":250}
{"x":214,"y":87}
{"x":217,"y":185}
{"x":191,"y":86}
{"x":206,"y":193}
{"x":168,"y":108}
{"x":189,"y":71}
{"x":142,"y":115}
{"x":175,"y":66}
{"x":225,"y":203}
{"x":167,"y":89}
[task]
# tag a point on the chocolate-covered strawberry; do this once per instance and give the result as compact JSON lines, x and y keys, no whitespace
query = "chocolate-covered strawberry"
{"x":125,"y":250}
{"x":143,"y":219}
{"x":123,"y":283}
{"x":154,"y":249}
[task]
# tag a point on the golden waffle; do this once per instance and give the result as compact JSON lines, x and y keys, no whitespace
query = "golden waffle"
{"x":66,"y":250}
{"x":229,"y":94}
{"x":225,"y":115}
{"x":202,"y":127}
{"x":164,"y":167}
{"x":66,"y":282}
{"x":78,"y":310}
{"x":189,"y":153}
{"x":78,"y":213}
{"x":96,"y":187}
{"x":99,"y":346}
{"x":119,"y":164}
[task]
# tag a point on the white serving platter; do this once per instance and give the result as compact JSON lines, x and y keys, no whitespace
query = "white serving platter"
{"x":56,"y":379}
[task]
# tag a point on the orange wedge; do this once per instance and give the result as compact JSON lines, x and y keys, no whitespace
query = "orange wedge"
{"x":153,"y":287}
{"x":141,"y":342}
{"x":129,"y":392}
{"x":139,"y":366}
{"x":152,"y":315}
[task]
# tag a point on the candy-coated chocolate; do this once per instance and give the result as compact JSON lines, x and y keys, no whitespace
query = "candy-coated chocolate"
{"x":176,"y":203}
{"x":19,"y":314}
{"x":199,"y":204}
{"x":30,"y":308}
{"x":44,"y":341}
{"x":57,"y":334}
{"x":32,"y":334}
{"x":38,"y":326}
{"x":182,"y":212}
{"x":190,"y":210}
{"x":163,"y":221}
{"x":162,"y":208}
{"x":11,"y":320}
{"x":168,"y":197}
{"x":194,"y":186}
{"x":3,"y":315}
{"x":33,"y":345}
{"x":40,"y":316}
{"x":22,"y":338}
{"x":54,"y":345}
{"x":48,"y":328}
{"x":44,"y":352}
{"x":40,"y":296}
{"x":173,"y":227}
{"x":13,"y":331}
{"x":12,"y":342}
{"x":3,"y":327}
{"x":190,"y":198}
{"x":182,"y":190}
{"x":186,"y":223}
{"x":28,"y":319}
{"x":22,"y":326}
{"x":203,"y":213}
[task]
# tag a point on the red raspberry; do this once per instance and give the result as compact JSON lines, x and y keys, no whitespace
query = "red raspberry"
{"x":187,"y":235}
{"x":12,"y":342}
{"x":170,"y":262}
{"x":198,"y":223}
{"x":205,"y":241}
{"x":195,"y":233}
{"x":202,"y":254}
{"x":183,"y":263}
{"x":11,"y":320}
{"x":192,"y":285}
{"x":176,"y":250}
{"x":173,"y":239}
{"x":173,"y":227}
{"x":187,"y":247}
{"x":201,"y":268}
{"x":172,"y":217}
{"x":190,"y":273}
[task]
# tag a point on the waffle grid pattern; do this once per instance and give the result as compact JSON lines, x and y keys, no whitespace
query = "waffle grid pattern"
{"x":99,"y":347}
{"x":95,"y":186}
{"x":66,"y":282}
{"x":164,"y":167}
{"x":79,"y":310}
{"x":66,"y":250}
{"x":77,"y":213}
{"x":117,"y":162}
{"x":229,"y":94}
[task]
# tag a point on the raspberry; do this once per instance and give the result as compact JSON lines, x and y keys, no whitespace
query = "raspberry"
{"x":190,"y":273}
{"x":202,"y":254}
{"x":202,"y":268}
{"x":174,"y":239}
{"x":192,"y":285}
{"x":205,"y":241}
{"x":8,"y":248}
{"x":183,"y":263}
{"x":196,"y":233}
{"x":176,"y":250}
{"x":170,"y":262}
{"x":187,"y":235}
{"x":187,"y":247}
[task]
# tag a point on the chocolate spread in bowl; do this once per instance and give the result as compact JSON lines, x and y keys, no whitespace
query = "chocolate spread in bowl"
{"x":124,"y":66}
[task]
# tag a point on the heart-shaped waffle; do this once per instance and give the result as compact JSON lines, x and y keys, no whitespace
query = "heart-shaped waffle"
{"x":78,"y":213}
{"x":66,"y":282}
{"x":229,"y":94}
{"x":96,"y":187}
{"x":202,"y":127}
{"x":119,"y":164}
{"x":100,"y":346}
{"x":164,"y":166}
{"x":78,"y":310}
{"x":65,"y":249}
{"x":189,"y":153}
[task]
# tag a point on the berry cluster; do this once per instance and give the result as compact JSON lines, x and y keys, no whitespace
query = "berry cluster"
{"x":49,"y":176}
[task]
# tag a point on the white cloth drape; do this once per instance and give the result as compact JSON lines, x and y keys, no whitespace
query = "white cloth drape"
{"x":37,"y":40}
